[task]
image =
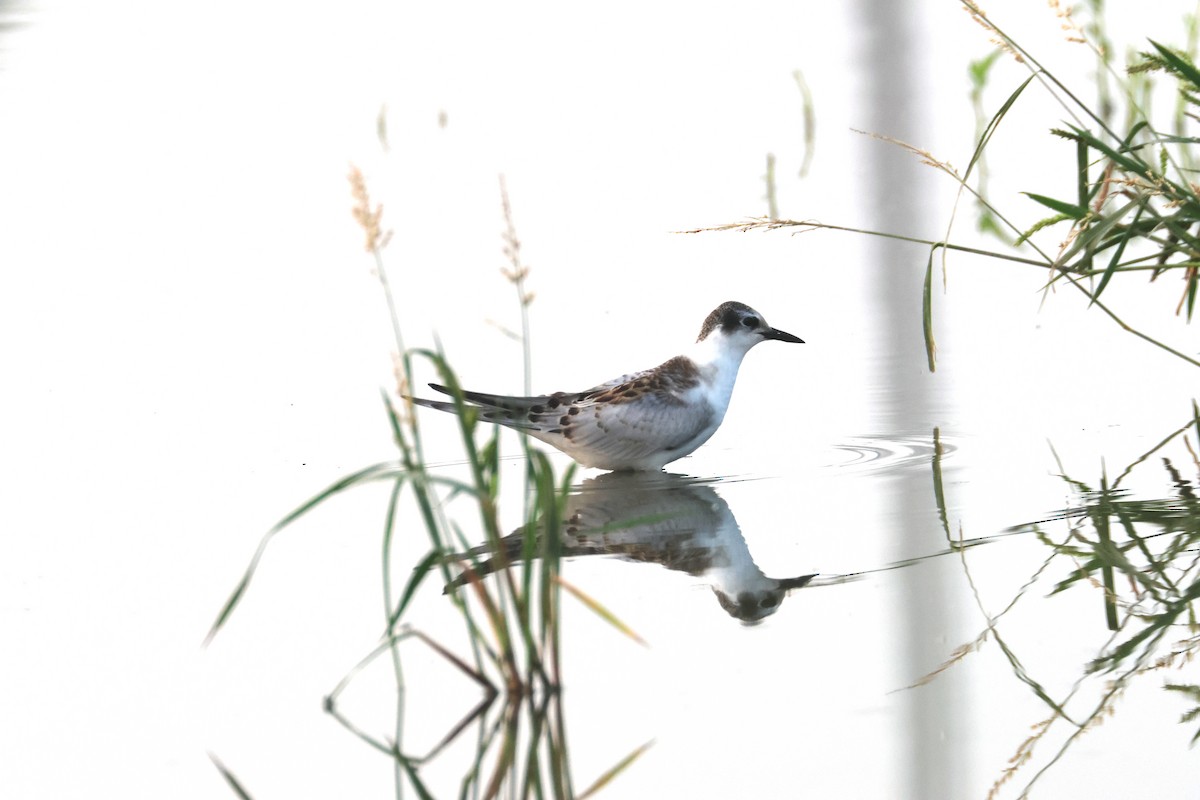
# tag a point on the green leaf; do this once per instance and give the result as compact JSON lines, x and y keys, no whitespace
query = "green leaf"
{"x":1070,"y":210}
{"x":1178,"y":64}
{"x":1110,"y":270}
{"x":616,"y":770}
{"x":233,"y":782}
{"x":927,"y":313}
{"x":600,"y":610}
{"x":939,"y":493}
{"x":993,"y":125}
{"x":978,"y":70}
{"x":1097,"y":231}
{"x":414,"y":581}
{"x":1191,"y":294}
{"x":1120,"y":158}
{"x":386,"y":469}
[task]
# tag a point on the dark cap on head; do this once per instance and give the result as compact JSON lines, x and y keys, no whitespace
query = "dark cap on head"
{"x":733,"y":316}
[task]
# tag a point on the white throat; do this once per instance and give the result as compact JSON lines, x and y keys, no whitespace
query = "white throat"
{"x":718,"y":359}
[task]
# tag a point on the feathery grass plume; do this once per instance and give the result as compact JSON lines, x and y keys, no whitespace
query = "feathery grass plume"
{"x":957,"y":655}
{"x":516,"y":272}
{"x":976,"y":12}
{"x":1020,"y":758}
{"x":1192,"y":692}
{"x":1073,"y":33}
{"x":367,"y":216}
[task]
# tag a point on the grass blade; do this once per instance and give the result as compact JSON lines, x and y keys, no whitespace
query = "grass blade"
{"x":415,"y":580}
{"x":233,"y":782}
{"x":616,"y":770}
{"x":927,"y":313}
{"x":1070,"y":210}
{"x":939,"y":493}
{"x":1110,"y":270}
{"x":1181,"y":66}
{"x":600,"y":610}
{"x":1096,"y":233}
{"x":411,"y":772}
{"x":994,"y":123}
{"x":384,"y":469}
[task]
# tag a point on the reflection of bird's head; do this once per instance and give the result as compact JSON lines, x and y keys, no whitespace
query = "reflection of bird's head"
{"x":753,"y":606}
{"x":750,"y":607}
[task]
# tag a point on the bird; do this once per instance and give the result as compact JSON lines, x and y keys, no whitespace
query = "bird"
{"x":644,"y":420}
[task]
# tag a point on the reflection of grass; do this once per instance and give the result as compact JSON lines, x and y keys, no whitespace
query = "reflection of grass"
{"x":1135,"y":208}
{"x":512,"y":624}
{"x":1142,"y":557}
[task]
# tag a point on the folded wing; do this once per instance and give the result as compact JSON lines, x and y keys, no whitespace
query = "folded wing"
{"x":627,"y":422}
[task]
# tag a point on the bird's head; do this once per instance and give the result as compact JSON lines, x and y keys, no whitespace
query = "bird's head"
{"x":736,"y":327}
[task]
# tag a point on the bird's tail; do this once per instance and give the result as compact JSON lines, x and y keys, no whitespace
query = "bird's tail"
{"x":511,"y":411}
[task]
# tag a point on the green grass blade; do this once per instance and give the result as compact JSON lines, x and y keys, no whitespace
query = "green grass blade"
{"x":1125,"y":162}
{"x":384,"y":469}
{"x":233,"y":782}
{"x":1070,"y":210}
{"x":986,"y":137}
{"x":431,"y":559}
{"x":1156,"y":627}
{"x":411,"y":772}
{"x":1082,"y":195}
{"x":1111,"y":269}
{"x":1081,"y":174}
{"x":462,"y":666}
{"x":1109,"y":554}
{"x":1153,"y":577}
{"x":1192,"y":280}
{"x":1196,"y":418}
{"x":939,"y":494}
{"x":236,"y":596}
{"x":616,"y":770}
{"x":1181,"y":66}
{"x":927,"y":313}
{"x":387,"y":469}
{"x":394,"y":422}
{"x":389,"y":529}
{"x":1097,"y":233}
{"x":600,"y":611}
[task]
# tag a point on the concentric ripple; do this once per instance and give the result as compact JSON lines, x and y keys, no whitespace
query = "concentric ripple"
{"x":883,"y":454}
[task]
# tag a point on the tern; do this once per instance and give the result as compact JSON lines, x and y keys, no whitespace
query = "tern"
{"x":643,"y":420}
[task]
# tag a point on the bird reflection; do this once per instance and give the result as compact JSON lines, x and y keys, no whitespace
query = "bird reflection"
{"x":662,"y":518}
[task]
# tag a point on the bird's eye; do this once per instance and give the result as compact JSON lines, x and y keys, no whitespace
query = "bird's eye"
{"x":750,"y":322}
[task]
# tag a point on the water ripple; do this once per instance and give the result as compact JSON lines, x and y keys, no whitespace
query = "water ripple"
{"x":884,"y":454}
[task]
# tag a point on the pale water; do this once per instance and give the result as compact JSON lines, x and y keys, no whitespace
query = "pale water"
{"x":195,"y":344}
